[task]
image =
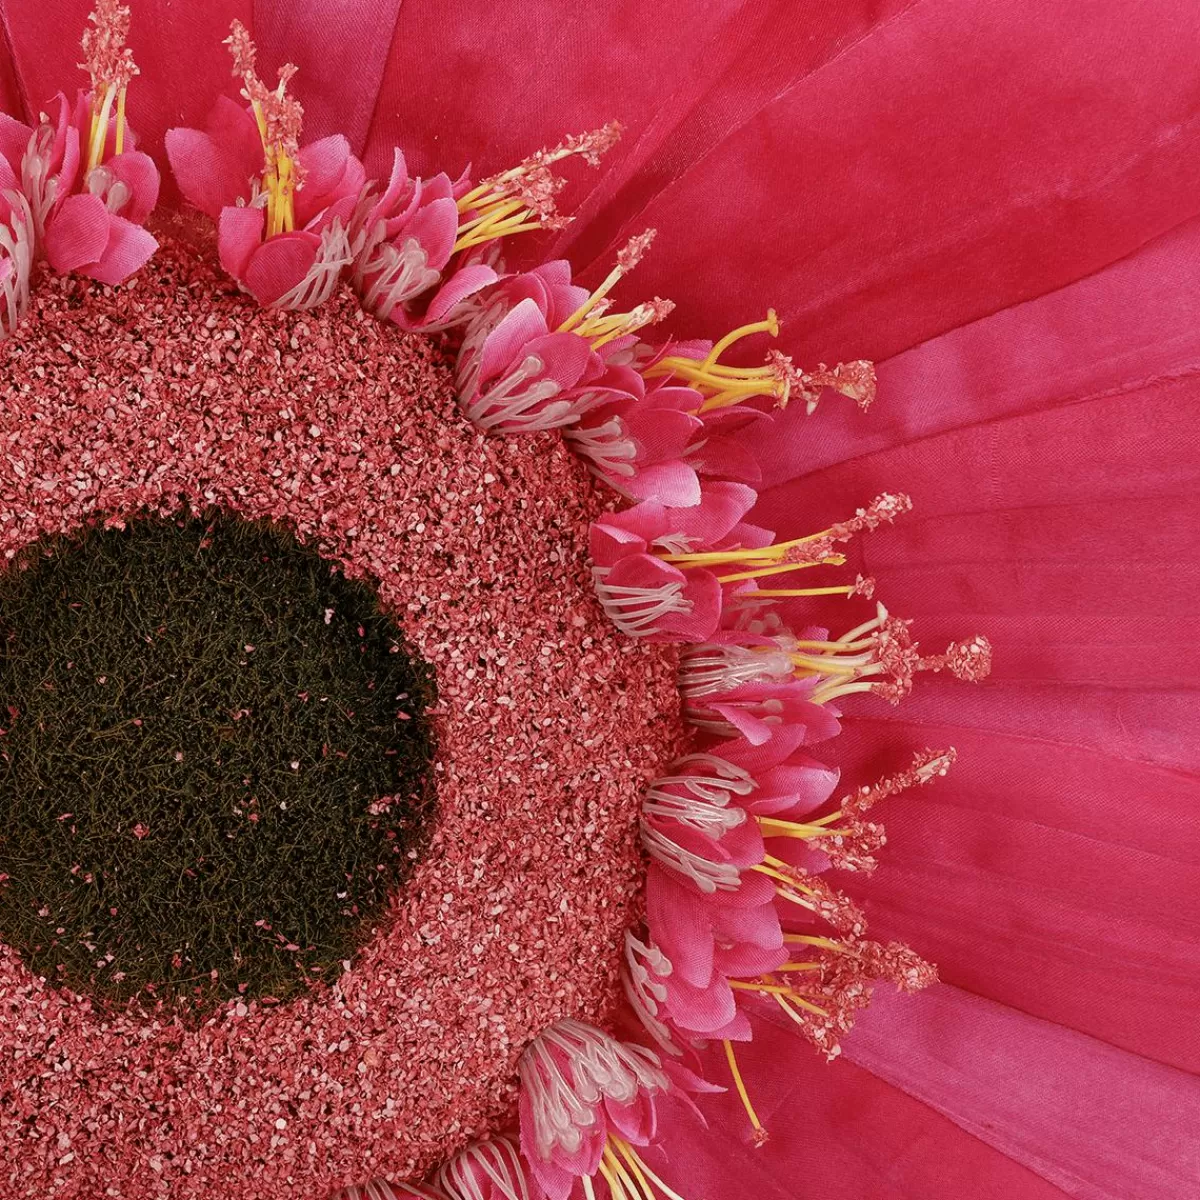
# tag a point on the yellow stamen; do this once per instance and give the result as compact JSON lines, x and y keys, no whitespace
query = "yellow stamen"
{"x":615,"y":1189}
{"x":825,"y":591}
{"x":773,"y":827}
{"x":119,"y":143}
{"x":723,"y":385}
{"x":834,"y":560}
{"x":631,"y":1156}
{"x":632,"y":1162}
{"x":740,"y":1084}
{"x":98,"y":135}
{"x":751,"y":556}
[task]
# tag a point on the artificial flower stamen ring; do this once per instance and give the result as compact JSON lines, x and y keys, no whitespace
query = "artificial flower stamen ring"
{"x":631,"y":848}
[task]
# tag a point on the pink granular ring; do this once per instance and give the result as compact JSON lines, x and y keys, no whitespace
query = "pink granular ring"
{"x":175,"y":391}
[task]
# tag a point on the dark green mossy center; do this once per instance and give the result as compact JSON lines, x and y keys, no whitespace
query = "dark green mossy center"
{"x":215,"y":762}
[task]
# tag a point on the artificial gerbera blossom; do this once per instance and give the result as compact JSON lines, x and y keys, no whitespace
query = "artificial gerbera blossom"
{"x":893,"y":181}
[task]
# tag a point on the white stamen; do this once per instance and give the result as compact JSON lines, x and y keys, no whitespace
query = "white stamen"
{"x":333,"y":257}
{"x":599,"y":1068}
{"x":705,"y":670}
{"x":707,"y":875}
{"x":16,"y":263}
{"x":645,"y":968}
{"x":497,"y":1161}
{"x":634,"y":610}
{"x":706,"y":806}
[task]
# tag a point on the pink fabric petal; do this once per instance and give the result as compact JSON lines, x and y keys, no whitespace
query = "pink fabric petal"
{"x":841,"y":1131}
{"x":519,"y":327}
{"x":1064,"y":836}
{"x":1031,"y":1089}
{"x":279,"y":264}
{"x":239,"y":234}
{"x":681,"y":925}
{"x":139,"y":173}
{"x":77,"y":234}
{"x":128,"y":249}
{"x":215,"y":167}
{"x":340,"y":53}
{"x":959,"y":243}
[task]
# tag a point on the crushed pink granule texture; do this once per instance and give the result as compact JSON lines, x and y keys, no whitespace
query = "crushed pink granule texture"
{"x":175,"y":390}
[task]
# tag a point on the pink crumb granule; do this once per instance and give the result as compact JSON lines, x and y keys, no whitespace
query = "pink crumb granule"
{"x":175,"y":390}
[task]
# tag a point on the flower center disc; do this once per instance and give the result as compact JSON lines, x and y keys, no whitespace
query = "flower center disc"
{"x":215,"y":761}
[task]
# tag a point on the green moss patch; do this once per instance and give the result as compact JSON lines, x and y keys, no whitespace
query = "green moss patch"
{"x":215,"y":764}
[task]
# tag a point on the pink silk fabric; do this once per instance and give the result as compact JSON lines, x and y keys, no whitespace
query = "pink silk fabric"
{"x":999,"y":204}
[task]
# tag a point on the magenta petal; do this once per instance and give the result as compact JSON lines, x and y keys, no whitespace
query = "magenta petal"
{"x":674,"y":484}
{"x":214,"y":167}
{"x":77,"y":234}
{"x":139,"y":174}
{"x":663,"y":433}
{"x":331,"y":173}
{"x":239,"y":234}
{"x":700,"y":1010}
{"x":796,"y":789}
{"x":723,"y":505}
{"x":745,"y":960}
{"x":753,"y":728}
{"x":14,"y":140}
{"x":565,"y":356}
{"x":636,"y":1121}
{"x":519,"y":327}
{"x":458,"y":287}
{"x":680,"y":925}
{"x":435,"y":227}
{"x":129,"y":248}
{"x":279,"y":264}
{"x":608,"y":544}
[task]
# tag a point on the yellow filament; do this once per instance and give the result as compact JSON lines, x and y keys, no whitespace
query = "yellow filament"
{"x":628,"y":1153}
{"x":588,"y":1191}
{"x":500,"y":216}
{"x":119,"y":145}
{"x":634,"y":1165}
{"x":786,"y":1005}
{"x":825,"y":591}
{"x":740,"y":1084}
{"x":760,"y":556}
{"x":99,"y":131}
{"x":590,"y":303}
{"x":770,"y":325}
{"x":723,"y":385}
{"x":615,"y":1190}
{"x":834,"y":560}
{"x":635,"y":1189}
{"x":772,"y":827}
{"x":809,"y":939}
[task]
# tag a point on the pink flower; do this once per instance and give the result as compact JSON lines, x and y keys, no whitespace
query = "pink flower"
{"x":70,"y":189}
{"x":283,"y":210}
{"x":587,"y":1101}
{"x":648,"y":562}
{"x":402,"y":241}
{"x":528,"y":362}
